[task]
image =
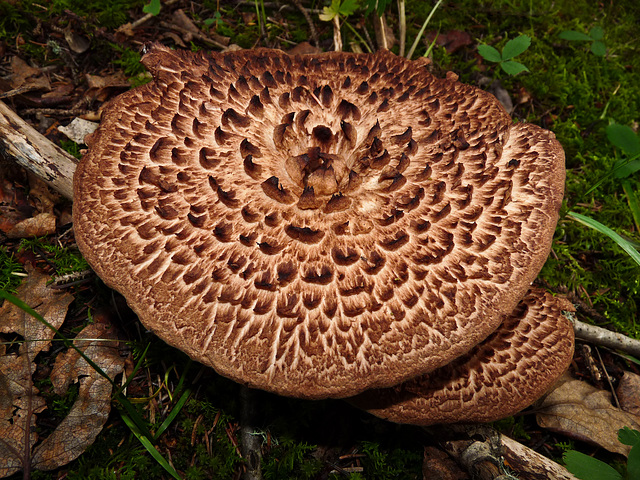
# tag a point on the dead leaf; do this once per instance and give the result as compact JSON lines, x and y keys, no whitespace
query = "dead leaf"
{"x":77,"y":43}
{"x":14,"y":205}
{"x":40,"y":221}
{"x":303,"y":48}
{"x":27,"y":78}
{"x":19,"y":400}
{"x":452,"y":40}
{"x":78,"y":129}
{"x":102,"y":87}
{"x":182,"y":20}
{"x":628,"y":393}
{"x":578,"y":410}
{"x":40,"y":225}
{"x":91,"y":409}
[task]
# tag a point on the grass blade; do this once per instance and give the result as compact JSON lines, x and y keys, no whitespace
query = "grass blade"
{"x":153,"y":451}
{"x":424,"y":26}
{"x":591,"y":223}
{"x":632,"y":199}
{"x":174,"y":413}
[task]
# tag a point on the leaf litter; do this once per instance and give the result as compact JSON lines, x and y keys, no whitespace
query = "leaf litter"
{"x":21,"y":448}
{"x":581,"y":411}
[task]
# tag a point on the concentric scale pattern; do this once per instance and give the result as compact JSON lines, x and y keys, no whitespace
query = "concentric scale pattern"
{"x":316,"y":225}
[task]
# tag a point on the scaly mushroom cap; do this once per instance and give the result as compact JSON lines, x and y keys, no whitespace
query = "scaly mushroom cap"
{"x":499,"y":377}
{"x":315,"y":225}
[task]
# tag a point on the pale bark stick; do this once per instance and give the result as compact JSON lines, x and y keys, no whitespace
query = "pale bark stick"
{"x":529,"y":464}
{"x":606,"y":338}
{"x":35,"y":152}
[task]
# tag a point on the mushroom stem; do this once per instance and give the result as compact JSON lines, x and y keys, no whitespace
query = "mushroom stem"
{"x":250,"y":443}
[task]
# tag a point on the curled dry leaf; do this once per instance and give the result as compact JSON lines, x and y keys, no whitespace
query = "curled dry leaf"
{"x":578,"y":410}
{"x":19,"y":400}
{"x":628,"y":393}
{"x":25,"y":77}
{"x":40,"y":225}
{"x":91,"y":409}
{"x":43,"y":220}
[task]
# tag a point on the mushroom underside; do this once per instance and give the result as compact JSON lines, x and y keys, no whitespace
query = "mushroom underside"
{"x":316,"y":226}
{"x":502,"y":375}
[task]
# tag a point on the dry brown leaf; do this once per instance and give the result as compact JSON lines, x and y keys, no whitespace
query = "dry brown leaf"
{"x":628,"y":393}
{"x":40,"y":225}
{"x":27,"y":77}
{"x":14,"y":205}
{"x":578,"y":410}
{"x":102,"y":87}
{"x":22,"y":216}
{"x":19,"y":400}
{"x":91,"y":409}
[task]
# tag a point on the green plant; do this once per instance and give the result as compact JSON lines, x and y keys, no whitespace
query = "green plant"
{"x":63,"y":259}
{"x":627,"y":140}
{"x":338,"y":8}
{"x":153,"y":7}
{"x":291,"y":459}
{"x":595,"y":36}
{"x":11,"y":271}
{"x":129,"y":60}
{"x":513,"y":48}
{"x":589,"y":468}
{"x":382,"y":464}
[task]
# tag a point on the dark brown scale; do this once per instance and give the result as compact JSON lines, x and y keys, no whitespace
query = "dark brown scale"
{"x":247,"y":148}
{"x":255,"y":108}
{"x":304,"y":234}
{"x":251,"y":168}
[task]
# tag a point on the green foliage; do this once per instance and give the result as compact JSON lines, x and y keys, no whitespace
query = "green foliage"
{"x":625,"y":244}
{"x":380,"y":464}
{"x":63,"y":259}
{"x":595,"y":36}
{"x":290,"y":459}
{"x":513,"y":48}
{"x":338,"y":8}
{"x":71,"y":147}
{"x":378,"y":5}
{"x":627,"y":140}
{"x":129,"y":61}
{"x":152,"y":7}
{"x":631,"y":437}
{"x":11,"y":271}
{"x":589,"y":468}
{"x":214,"y":21}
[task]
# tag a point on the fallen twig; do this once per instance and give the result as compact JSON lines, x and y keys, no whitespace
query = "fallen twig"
{"x":606,"y":338}
{"x":35,"y":152}
{"x":312,"y":27}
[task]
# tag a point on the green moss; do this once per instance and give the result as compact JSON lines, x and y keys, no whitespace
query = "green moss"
{"x":11,"y":271}
{"x":65,"y":260}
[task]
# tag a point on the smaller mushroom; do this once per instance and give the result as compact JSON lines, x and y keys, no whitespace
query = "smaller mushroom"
{"x":507,"y":372}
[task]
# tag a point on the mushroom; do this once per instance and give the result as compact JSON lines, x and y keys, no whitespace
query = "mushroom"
{"x":497,"y":378}
{"x":318,"y":225}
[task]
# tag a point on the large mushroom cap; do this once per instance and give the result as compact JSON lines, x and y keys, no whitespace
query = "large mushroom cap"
{"x":315,"y":225}
{"x":499,"y":377}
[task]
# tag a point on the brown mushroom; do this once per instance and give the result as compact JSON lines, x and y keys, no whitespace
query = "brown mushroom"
{"x":497,"y":378}
{"x":316,"y":225}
